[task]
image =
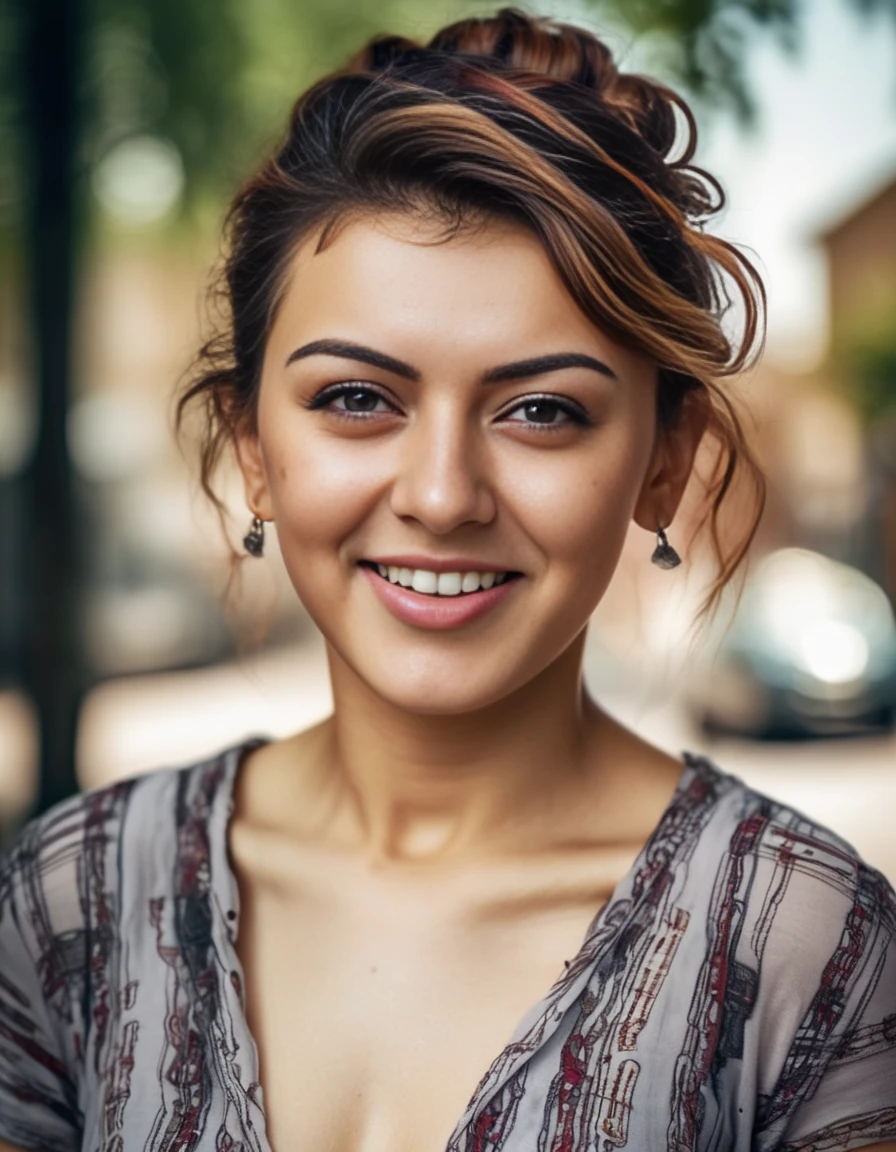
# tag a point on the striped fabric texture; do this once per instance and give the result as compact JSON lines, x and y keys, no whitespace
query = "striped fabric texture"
{"x":737,"y":992}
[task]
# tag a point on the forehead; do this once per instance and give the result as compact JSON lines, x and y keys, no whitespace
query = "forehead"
{"x":489,"y":292}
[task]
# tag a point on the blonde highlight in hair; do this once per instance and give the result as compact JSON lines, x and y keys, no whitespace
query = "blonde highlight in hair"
{"x":523,"y":118}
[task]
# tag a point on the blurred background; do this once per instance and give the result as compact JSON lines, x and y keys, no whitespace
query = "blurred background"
{"x":125,"y":125}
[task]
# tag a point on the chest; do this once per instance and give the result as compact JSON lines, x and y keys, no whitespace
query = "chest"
{"x":376,"y":1018}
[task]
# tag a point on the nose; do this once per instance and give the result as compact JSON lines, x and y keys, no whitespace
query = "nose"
{"x":442,"y":475}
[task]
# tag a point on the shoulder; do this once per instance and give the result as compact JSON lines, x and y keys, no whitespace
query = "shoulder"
{"x":753,"y":823}
{"x":63,"y":871}
{"x":85,"y":891}
{"x":792,"y":991}
{"x":801,"y":934}
{"x":805,"y":880}
{"x":807,"y":922}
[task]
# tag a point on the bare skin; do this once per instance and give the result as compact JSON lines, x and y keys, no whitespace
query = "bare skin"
{"x":407,"y":975}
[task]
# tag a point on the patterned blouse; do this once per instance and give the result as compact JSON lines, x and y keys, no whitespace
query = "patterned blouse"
{"x":737,"y":992}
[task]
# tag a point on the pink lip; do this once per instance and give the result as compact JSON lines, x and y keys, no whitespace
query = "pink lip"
{"x":431,"y":564}
{"x":437,"y":612}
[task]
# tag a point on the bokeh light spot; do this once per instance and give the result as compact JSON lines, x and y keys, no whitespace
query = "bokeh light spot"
{"x":139,"y":180}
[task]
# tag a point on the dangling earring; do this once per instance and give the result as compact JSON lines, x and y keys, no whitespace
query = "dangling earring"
{"x":253,"y":541}
{"x":664,"y":555}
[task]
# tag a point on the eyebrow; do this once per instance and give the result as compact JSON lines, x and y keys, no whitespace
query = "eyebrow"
{"x":519,"y":370}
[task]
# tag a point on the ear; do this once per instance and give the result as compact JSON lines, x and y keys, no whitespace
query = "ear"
{"x":670,"y":468}
{"x":250,"y":458}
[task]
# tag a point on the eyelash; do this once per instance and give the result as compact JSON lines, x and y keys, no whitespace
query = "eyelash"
{"x":332,"y":392}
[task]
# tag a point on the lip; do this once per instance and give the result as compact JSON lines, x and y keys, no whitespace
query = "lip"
{"x":436,"y":612}
{"x":432,"y":564}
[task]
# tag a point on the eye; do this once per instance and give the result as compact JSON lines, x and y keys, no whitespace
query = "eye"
{"x":547,"y":412}
{"x":352,"y":399}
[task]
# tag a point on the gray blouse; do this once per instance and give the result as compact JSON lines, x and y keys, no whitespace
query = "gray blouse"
{"x":738,"y":991}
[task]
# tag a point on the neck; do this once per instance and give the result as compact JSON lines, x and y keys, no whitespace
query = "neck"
{"x":432,"y":787}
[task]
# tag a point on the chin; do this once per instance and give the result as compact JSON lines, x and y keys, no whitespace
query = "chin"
{"x":434,"y":694}
{"x":434,"y":687}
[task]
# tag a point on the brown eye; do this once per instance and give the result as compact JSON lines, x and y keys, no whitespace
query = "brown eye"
{"x":542,"y":412}
{"x":360,"y":400}
{"x":351,"y":400}
{"x":547,"y":412}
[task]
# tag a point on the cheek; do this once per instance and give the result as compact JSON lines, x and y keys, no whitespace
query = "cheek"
{"x":578,"y":505}
{"x":320,"y":488}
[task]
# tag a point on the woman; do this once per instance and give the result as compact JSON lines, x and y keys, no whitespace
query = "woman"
{"x":475,"y":328}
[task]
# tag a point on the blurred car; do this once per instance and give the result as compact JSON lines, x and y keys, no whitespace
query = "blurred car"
{"x":811,"y":652}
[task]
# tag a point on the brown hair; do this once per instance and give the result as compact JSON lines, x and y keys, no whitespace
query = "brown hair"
{"x":517,"y":117}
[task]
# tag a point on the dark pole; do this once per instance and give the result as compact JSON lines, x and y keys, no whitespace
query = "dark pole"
{"x":53,"y":667}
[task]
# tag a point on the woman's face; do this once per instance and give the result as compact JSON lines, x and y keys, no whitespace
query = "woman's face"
{"x":447,"y":409}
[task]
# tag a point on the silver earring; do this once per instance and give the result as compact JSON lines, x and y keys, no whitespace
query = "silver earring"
{"x":253,"y":541}
{"x":664,"y":555}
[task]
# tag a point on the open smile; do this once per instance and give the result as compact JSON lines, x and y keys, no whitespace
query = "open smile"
{"x":438,"y":600}
{"x":431,"y":583}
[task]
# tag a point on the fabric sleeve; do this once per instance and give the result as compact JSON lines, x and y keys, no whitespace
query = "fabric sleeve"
{"x":837,"y":1086}
{"x":38,"y":1098}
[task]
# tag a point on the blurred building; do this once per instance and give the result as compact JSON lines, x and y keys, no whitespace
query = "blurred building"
{"x":828,"y":436}
{"x":861,"y":254}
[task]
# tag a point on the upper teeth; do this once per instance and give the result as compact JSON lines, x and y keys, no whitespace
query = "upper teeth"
{"x":439,"y":583}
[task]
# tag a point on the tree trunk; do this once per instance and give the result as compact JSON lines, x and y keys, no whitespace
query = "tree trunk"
{"x":53,"y":670}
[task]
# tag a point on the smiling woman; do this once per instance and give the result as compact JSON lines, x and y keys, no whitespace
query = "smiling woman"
{"x":508,"y":122}
{"x":445,"y":460}
{"x":475,"y":330}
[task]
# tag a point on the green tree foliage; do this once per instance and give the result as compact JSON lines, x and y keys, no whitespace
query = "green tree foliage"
{"x":216,"y":77}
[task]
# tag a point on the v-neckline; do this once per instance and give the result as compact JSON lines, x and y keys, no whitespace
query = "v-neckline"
{"x":602,"y":930}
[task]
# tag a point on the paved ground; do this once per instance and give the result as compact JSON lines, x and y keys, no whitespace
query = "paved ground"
{"x":147,"y":722}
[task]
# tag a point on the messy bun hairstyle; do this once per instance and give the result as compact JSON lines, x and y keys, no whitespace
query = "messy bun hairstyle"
{"x":523,"y":118}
